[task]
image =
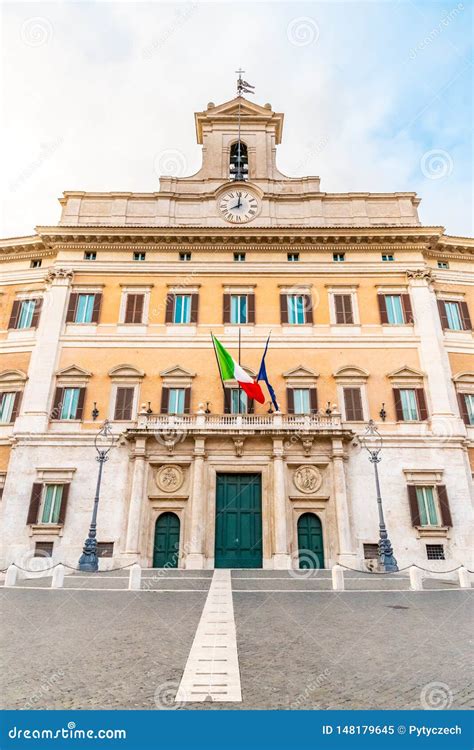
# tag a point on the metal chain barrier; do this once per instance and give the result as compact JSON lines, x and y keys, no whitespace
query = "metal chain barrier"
{"x":407,"y":567}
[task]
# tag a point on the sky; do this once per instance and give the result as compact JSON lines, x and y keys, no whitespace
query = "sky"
{"x":100,"y":96}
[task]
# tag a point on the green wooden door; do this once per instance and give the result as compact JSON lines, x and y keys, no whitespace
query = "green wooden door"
{"x":238,"y":521}
{"x":166,"y":546}
{"x":310,"y":541}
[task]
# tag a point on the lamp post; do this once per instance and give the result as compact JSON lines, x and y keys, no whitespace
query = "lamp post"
{"x":372,"y":442}
{"x":103,"y":442}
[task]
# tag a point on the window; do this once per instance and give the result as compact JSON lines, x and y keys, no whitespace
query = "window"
{"x":68,"y":403}
{"x":124,"y":403}
{"x":296,"y":308}
{"x":27,"y":309}
{"x":293,"y":257}
{"x":134,"y":308}
{"x":238,"y":308}
{"x":9,"y":405}
{"x":239,"y":257}
{"x":443,"y":264}
{"x":371,"y":551}
{"x":393,"y":304}
{"x":176,"y":400}
{"x":238,"y":401}
{"x":25,"y":313}
{"x":85,"y":307}
{"x":343,"y":307}
{"x":339,"y":257}
{"x":105,"y":549}
{"x":90,"y":255}
{"x":238,"y":162}
{"x":388,"y":257}
{"x":466,"y":407}
{"x":182,"y":308}
{"x":435,"y":552}
{"x":185,"y":256}
{"x":454,"y":315}
{"x":429,"y":505}
{"x":353,"y":405}
{"x":139,"y":256}
{"x":52,"y":496}
{"x":426,"y":506}
{"x":44,"y":549}
{"x":301,"y":400}
{"x":409,"y":404}
{"x":36,"y":263}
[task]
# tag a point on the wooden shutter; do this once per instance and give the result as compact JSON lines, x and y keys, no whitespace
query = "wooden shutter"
{"x":442,"y":314}
{"x":308,"y":306}
{"x":187,"y":400}
{"x":446,"y":519}
{"x":194,"y":308}
{"x":134,"y":308}
{"x":465,"y":317}
{"x":63,"y":506}
{"x":35,"y":501}
{"x":96,"y":308}
{"x":226,"y":308}
{"x":290,"y":400}
{"x":129,"y":308}
{"x":71,"y":308}
{"x":165,"y":395}
{"x":353,"y":404}
{"x":414,"y":509}
{"x":382,"y":308}
{"x":227,"y":400}
{"x":124,"y":403}
{"x":250,"y":406}
{"x":169,"y":308}
{"x":250,"y":308}
{"x":36,"y":312}
{"x":58,"y":399}
{"x":463,"y":408}
{"x":407,"y":310}
{"x":16,"y":406}
{"x":119,"y":399}
{"x":421,"y":401}
{"x":343,"y":307}
{"x":15,"y":314}
{"x":398,"y":404}
{"x":138,"y":316}
{"x":284,"y":309}
{"x":313,"y":400}
{"x":80,"y":403}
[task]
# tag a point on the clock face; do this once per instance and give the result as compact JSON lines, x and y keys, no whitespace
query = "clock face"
{"x":238,"y":206}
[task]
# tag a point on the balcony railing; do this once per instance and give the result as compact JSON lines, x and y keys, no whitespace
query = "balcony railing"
{"x":202,"y":422}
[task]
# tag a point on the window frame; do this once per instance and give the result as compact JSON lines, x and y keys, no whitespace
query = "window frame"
{"x":185,"y":308}
{"x":295,"y":310}
{"x":240,"y":297}
{"x":54,"y":502}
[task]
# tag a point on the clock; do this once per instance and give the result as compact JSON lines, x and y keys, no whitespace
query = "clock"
{"x":238,"y":206}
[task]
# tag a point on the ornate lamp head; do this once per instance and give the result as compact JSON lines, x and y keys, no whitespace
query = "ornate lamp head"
{"x":372,"y":441}
{"x":104,"y":440}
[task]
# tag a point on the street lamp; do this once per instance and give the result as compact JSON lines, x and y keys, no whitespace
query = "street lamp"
{"x":103,"y":442}
{"x":372,"y":442}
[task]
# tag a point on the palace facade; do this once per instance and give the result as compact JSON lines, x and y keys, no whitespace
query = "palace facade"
{"x":108,"y":315}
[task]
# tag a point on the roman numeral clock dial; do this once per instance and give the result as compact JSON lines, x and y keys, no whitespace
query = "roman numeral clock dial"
{"x":238,"y":206}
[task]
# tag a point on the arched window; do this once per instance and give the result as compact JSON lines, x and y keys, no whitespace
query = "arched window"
{"x":239,"y":162}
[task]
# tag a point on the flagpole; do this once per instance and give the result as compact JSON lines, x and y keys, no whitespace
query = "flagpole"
{"x":240,"y":387}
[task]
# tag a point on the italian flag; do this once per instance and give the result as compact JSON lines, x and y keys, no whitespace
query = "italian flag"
{"x":230,"y":370}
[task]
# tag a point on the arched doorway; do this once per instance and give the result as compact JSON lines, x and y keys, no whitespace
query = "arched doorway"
{"x":166,"y":542}
{"x":310,"y":541}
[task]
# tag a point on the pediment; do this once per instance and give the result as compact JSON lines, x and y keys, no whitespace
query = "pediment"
{"x":465,"y":378}
{"x":228,"y":111}
{"x":125,"y":371}
{"x":73,"y":371}
{"x":351,"y":372}
{"x":301,"y":372}
{"x":12,"y":377}
{"x":405,"y":372}
{"x":176,"y":371}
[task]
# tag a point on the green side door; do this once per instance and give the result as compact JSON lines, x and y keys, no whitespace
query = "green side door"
{"x":310,"y":541}
{"x":238,"y":521}
{"x":166,"y":546}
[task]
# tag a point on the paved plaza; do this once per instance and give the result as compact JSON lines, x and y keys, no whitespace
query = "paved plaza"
{"x":299,"y":644}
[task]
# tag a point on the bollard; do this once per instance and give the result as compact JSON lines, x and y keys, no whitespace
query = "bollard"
{"x":57,"y":581}
{"x":338,"y":578}
{"x":416,"y":579}
{"x":464,"y":578}
{"x":11,"y":574}
{"x":134,"y":582}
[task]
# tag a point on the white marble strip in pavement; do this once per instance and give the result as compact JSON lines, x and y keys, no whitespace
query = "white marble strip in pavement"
{"x":212,"y":670}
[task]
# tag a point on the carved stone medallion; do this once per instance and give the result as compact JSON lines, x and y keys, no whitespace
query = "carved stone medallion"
{"x":169,"y":478}
{"x":307,"y":479}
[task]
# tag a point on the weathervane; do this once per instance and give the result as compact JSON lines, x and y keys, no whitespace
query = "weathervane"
{"x":239,"y":170}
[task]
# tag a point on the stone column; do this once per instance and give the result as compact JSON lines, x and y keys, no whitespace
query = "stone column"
{"x":132,"y":545}
{"x":281,"y":557}
{"x":346,"y":541}
{"x":36,"y":403}
{"x":433,"y":355}
{"x":195,"y":557}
